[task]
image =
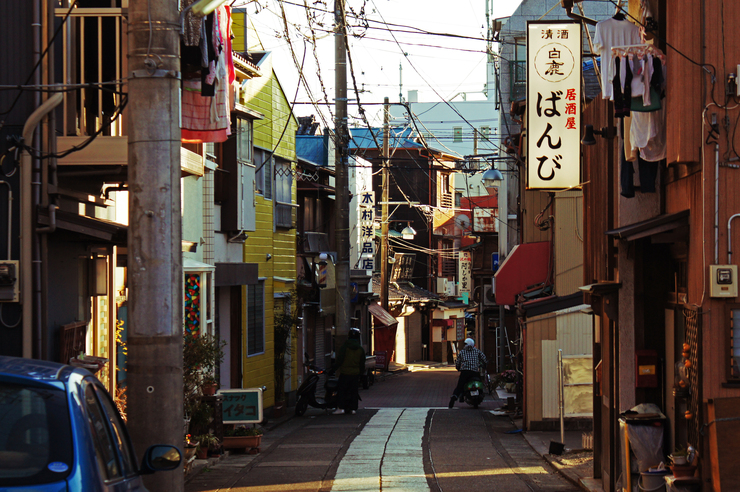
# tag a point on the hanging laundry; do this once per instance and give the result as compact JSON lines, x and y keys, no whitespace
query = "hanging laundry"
{"x":612,"y":32}
{"x":191,"y":25}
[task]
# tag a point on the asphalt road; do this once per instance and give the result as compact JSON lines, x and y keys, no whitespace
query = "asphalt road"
{"x":396,"y":442}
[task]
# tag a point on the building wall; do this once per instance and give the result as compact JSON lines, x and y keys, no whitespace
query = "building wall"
{"x":275,"y":131}
{"x":568,"y":242}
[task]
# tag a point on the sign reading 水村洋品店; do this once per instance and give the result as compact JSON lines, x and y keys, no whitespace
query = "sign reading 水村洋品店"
{"x":553,"y":104}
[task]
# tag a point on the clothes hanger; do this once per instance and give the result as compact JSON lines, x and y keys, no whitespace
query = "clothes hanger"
{"x":639,"y":50}
{"x":619,"y":15}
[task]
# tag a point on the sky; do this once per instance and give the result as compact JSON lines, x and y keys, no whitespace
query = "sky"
{"x":385,"y":55}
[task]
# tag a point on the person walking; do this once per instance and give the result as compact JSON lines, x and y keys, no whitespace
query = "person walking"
{"x":351,"y":364}
{"x":467,"y":362}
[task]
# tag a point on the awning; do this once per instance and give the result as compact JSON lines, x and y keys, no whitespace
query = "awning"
{"x":228,"y":274}
{"x":98,"y":229}
{"x":382,"y":316}
{"x":673,"y":226}
{"x":527,"y":265}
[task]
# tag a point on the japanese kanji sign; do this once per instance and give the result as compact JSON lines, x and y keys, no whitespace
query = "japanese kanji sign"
{"x":241,"y":406}
{"x":464,"y":273}
{"x":366,"y":228}
{"x":553,"y":104}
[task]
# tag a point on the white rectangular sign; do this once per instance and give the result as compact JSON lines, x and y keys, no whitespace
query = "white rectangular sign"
{"x":464,"y":273}
{"x":366,"y":237}
{"x":554,"y":91}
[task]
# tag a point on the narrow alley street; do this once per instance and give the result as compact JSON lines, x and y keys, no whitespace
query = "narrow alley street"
{"x":403,"y":438}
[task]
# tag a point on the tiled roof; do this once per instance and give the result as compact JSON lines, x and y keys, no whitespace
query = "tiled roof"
{"x":400,"y":290}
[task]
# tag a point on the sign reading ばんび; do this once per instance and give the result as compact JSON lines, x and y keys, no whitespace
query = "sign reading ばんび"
{"x":553,"y":104}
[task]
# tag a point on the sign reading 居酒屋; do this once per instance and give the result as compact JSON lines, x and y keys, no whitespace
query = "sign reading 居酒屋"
{"x":553,"y":104}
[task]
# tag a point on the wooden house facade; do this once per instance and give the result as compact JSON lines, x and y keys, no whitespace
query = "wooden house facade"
{"x":659,"y":272}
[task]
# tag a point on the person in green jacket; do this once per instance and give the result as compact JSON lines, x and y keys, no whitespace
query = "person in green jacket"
{"x":351,"y":364}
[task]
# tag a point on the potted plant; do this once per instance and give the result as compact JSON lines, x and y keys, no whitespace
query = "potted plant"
{"x":191,"y":447}
{"x":242,"y":438}
{"x":209,"y":385}
{"x":206,"y":442}
{"x":680,"y":456}
{"x":202,"y":354}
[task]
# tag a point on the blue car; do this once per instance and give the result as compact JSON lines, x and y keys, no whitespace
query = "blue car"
{"x":61,"y":431}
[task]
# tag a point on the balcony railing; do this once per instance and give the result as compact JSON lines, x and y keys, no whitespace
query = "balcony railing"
{"x":94,"y":53}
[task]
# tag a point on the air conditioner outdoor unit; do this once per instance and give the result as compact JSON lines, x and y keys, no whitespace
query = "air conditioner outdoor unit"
{"x":441,"y":285}
{"x":489,"y":297}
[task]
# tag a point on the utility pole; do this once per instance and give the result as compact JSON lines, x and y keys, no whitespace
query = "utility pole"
{"x":155,"y":386}
{"x":341,"y":213}
{"x":384,"y":212}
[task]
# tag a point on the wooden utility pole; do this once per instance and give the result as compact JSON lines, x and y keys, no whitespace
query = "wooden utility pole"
{"x":341,"y":216}
{"x":384,"y":211}
{"x":155,"y":388}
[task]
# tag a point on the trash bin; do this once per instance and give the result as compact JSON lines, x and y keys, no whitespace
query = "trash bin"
{"x":652,"y":481}
{"x":641,"y":436}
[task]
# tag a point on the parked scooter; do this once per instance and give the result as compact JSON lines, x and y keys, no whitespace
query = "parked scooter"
{"x":307,"y":392}
{"x":474,"y":392}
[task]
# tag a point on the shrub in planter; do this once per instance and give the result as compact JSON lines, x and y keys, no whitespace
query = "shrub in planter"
{"x":242,"y":438}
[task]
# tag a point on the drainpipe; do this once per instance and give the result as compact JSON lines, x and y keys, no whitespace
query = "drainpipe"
{"x":729,"y":239}
{"x":716,"y":203}
{"x":27,"y":227}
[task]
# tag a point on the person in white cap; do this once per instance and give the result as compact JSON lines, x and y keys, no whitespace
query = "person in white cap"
{"x":468,"y":361}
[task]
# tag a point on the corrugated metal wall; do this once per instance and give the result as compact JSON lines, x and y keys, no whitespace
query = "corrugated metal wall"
{"x":568,"y":242}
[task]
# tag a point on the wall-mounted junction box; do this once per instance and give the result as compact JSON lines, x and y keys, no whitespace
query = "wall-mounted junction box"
{"x":723,"y":280}
{"x":9,"y":281}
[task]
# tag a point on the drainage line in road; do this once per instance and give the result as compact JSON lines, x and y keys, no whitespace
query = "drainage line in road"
{"x":385,"y":448}
{"x":429,"y":448}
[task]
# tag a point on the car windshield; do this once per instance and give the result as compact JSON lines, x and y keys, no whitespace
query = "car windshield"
{"x":35,"y":435}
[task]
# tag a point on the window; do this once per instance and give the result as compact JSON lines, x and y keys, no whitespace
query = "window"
{"x":518,"y":71}
{"x":457,"y":134}
{"x":263,"y":172}
{"x":283,"y":194}
{"x":35,"y":429}
{"x":445,"y":191}
{"x":120,"y":436}
{"x":244,"y":140}
{"x":255,"y":319}
{"x":734,"y":365}
{"x":102,"y":441}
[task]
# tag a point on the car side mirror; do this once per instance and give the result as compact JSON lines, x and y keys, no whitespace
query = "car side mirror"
{"x":160,"y":457}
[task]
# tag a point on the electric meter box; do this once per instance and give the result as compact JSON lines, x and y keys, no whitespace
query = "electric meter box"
{"x":723,"y":280}
{"x":9,"y":291}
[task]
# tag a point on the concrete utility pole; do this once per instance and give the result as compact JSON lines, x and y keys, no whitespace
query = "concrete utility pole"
{"x":384,"y":211}
{"x":155,"y":387}
{"x":341,"y":216}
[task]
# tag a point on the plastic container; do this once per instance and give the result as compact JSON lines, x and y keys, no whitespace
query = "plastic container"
{"x":653,"y":481}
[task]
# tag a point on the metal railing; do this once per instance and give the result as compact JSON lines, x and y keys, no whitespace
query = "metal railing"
{"x":94,"y":49}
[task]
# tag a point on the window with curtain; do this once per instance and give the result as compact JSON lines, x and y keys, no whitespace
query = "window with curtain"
{"x":255,"y":319}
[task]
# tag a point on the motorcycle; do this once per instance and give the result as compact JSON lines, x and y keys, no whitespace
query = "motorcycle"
{"x":307,"y":392}
{"x":474,"y":392}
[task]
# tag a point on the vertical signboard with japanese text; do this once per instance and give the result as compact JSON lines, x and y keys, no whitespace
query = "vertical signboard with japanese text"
{"x":366,"y":236}
{"x":464,"y":274}
{"x":553,"y":104}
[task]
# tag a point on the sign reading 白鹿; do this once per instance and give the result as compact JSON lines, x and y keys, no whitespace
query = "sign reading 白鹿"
{"x":553,"y":104}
